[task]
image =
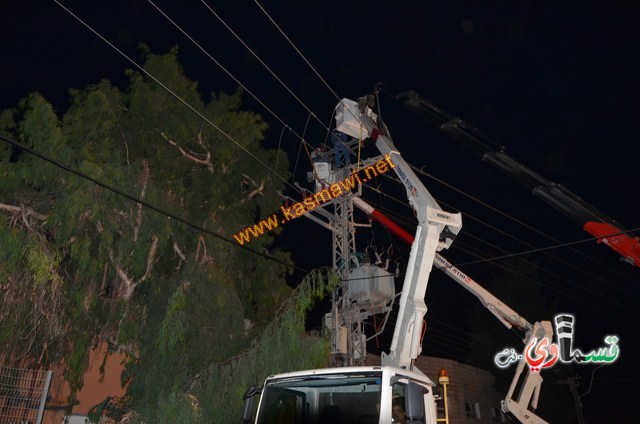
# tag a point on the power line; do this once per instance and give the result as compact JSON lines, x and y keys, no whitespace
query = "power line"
{"x":525,"y":252}
{"x":305,"y":60}
{"x":222,"y":21}
{"x":551,"y":247}
{"x":296,"y":49}
{"x":541,"y":281}
{"x":509,"y":235}
{"x":445,"y":341}
{"x":506,"y":234}
{"x":544,"y":283}
{"x":147,"y":204}
{"x":441,"y":340}
{"x":184,"y":102}
{"x":295,"y":167}
{"x":565,"y":292}
{"x":508,"y":216}
{"x":467,"y":233}
{"x":463,"y":342}
{"x":311,"y":66}
{"x":468,"y":333}
{"x":221,"y":66}
{"x":420,"y":171}
{"x":467,"y":215}
{"x":442,"y":182}
{"x":471,"y":235}
{"x":510,"y":270}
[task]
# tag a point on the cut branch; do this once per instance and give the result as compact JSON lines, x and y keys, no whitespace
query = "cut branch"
{"x":24,"y":210}
{"x":129,"y":283}
{"x":176,"y":249}
{"x":145,"y":180}
{"x":205,"y":258}
{"x":190,"y":156}
{"x":150,"y":258}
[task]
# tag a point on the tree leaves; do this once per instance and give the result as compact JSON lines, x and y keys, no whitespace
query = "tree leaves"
{"x":100,"y":268}
{"x":283,"y":346}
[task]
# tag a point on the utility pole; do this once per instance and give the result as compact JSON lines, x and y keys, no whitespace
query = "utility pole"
{"x":366,"y":288}
{"x":573,"y":387}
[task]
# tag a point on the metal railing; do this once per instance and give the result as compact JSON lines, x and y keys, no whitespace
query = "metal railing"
{"x":23,"y":395}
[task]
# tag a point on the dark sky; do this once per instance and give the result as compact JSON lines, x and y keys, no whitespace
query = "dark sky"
{"x":556,"y":83}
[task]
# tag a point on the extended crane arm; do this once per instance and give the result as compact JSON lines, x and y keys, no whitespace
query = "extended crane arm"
{"x":596,"y":223}
{"x":436,"y":230}
{"x":529,"y":390}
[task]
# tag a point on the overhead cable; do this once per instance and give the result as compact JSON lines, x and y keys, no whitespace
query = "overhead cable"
{"x":221,"y":66}
{"x":296,"y":49}
{"x":556,"y":258}
{"x":543,"y":282}
{"x":513,"y":237}
{"x":606,"y":282}
{"x":305,"y":60}
{"x":264,"y":64}
{"x":508,"y":216}
{"x":147,"y":204}
{"x":551,"y":247}
{"x":583,"y":296}
{"x":184,"y":102}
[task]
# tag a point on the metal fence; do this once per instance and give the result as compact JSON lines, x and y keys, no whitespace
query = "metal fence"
{"x":23,"y":394}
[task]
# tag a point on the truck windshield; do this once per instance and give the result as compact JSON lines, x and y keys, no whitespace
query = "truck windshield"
{"x":335,"y":399}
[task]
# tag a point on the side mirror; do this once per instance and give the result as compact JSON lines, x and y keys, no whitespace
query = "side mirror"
{"x":248,"y":397}
{"x":414,"y":402}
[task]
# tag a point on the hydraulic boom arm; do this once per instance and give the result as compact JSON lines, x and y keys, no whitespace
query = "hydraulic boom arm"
{"x":529,"y":390}
{"x":596,"y":223}
{"x":436,"y":230}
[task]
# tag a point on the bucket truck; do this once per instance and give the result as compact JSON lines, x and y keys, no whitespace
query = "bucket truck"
{"x":380,"y":394}
{"x":532,"y":381}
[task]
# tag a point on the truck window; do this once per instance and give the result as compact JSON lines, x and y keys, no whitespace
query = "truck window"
{"x":347,"y":398}
{"x":397,"y":412}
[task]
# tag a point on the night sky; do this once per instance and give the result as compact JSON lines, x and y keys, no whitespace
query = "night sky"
{"x":556,"y":84}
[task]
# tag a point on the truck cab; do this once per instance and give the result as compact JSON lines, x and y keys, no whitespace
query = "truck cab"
{"x":361,"y":395}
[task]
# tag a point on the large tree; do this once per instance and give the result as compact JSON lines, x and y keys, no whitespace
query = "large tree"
{"x":81,"y":265}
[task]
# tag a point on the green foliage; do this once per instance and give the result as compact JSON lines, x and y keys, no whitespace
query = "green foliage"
{"x":178,"y":408}
{"x":80,"y":265}
{"x":173,"y":328}
{"x":283,"y":346}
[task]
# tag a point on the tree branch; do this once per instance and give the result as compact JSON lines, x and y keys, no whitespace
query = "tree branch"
{"x":24,"y":210}
{"x":176,"y":249}
{"x":130,"y":284}
{"x":150,"y":258}
{"x":145,"y":180}
{"x":191,"y":156}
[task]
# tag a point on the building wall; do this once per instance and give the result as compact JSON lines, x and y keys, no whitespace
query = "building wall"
{"x":95,"y":389}
{"x":467,"y":385}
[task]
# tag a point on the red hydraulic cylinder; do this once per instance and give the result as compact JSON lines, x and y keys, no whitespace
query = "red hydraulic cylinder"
{"x":383,"y":220}
{"x":392,"y":226}
{"x":628,"y":247}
